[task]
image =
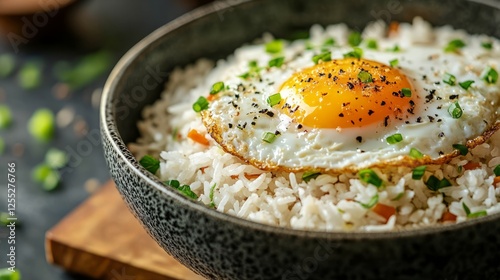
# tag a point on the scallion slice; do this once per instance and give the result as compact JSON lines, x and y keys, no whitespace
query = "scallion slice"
{"x":217,"y":87}
{"x":487,"y":45}
{"x":496,"y":171}
{"x":478,"y":214}
{"x":354,"y":39}
{"x":369,"y":176}
{"x":406,"y":92}
{"x":454,"y":45}
{"x":268,"y":137}
{"x":329,"y":42}
{"x":466,"y":208}
{"x":150,"y":163}
{"x":326,"y":56}
{"x":200,"y":104}
{"x":276,"y":62}
{"x":274,"y":99}
{"x":372,"y":44}
{"x":418,"y":172}
{"x":416,"y":154}
{"x":395,"y":138}
{"x":455,"y":110}
{"x":356,"y":53}
{"x":490,"y":75}
{"x":211,"y":196}
{"x":461,"y":148}
{"x":449,"y":79}
{"x":371,"y":203}
{"x":394,"y":62}
{"x":466,"y":85}
{"x":274,"y":47}
{"x":309,"y":175}
{"x":434,"y":184}
{"x":184,"y":189}
{"x":365,"y":77}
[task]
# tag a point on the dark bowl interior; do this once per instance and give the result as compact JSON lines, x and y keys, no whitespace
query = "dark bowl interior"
{"x":219,"y":246}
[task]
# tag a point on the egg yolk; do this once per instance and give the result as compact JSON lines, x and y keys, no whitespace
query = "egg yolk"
{"x":347,"y":93}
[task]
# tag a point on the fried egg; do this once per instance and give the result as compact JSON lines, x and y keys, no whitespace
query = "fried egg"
{"x":334,"y":107}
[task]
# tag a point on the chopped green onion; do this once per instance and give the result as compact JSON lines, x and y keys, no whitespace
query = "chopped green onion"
{"x":496,"y":171}
{"x":356,"y":53}
{"x":394,"y":62}
{"x":326,"y":56}
{"x":414,"y":153}
{"x":184,"y":189}
{"x":275,"y":46}
{"x":200,"y":104}
{"x":372,"y":44}
{"x":45,"y":175}
{"x":434,"y":184}
{"x":398,"y":197}
{"x":5,"y":116}
{"x":418,"y":172}
{"x":370,"y":203}
{"x":478,"y":214}
{"x":309,"y":175}
{"x":369,"y":176}
{"x":6,"y":274}
{"x":329,"y":42}
{"x":56,"y":158}
{"x":85,"y":71}
{"x":274,"y":99}
{"x":466,"y":208}
{"x":454,"y":45}
{"x":268,"y":137}
{"x":455,"y":110}
{"x":7,"y":65}
{"x":365,"y":77}
{"x":30,"y":75}
{"x":449,"y":79}
{"x":395,"y":138}
{"x":150,"y":163}
{"x":487,"y":45}
{"x":253,"y":64}
{"x":245,"y":75}
{"x":394,"y":49}
{"x":211,"y":196}
{"x":490,"y":75}
{"x":217,"y":87}
{"x":354,"y":39}
{"x":406,"y":92}
{"x":276,"y":62}
{"x":466,"y":85}
{"x":2,"y":146}
{"x":461,"y":148}
{"x":460,"y":168}
{"x":41,"y":124}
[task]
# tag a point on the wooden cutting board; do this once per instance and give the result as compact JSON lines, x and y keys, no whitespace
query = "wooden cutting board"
{"x":103,"y":240}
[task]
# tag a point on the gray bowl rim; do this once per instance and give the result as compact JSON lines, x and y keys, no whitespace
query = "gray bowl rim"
{"x":106,"y":117}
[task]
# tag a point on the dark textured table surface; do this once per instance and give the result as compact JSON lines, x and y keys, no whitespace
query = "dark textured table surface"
{"x":86,"y":27}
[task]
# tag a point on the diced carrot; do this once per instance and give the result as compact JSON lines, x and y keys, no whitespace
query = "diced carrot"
{"x":448,"y":217}
{"x":194,"y":135}
{"x":383,"y":210}
{"x":472,"y":165}
{"x":393,"y":28}
{"x":211,"y":97}
{"x":203,"y":169}
{"x":251,"y":176}
{"x":234,"y":177}
{"x":496,"y":181}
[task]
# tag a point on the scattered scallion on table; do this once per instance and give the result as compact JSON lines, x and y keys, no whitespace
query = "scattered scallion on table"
{"x":30,"y":75}
{"x":41,"y":125}
{"x":5,"y":116}
{"x":46,"y":176}
{"x":7,"y":65}
{"x":6,"y":274}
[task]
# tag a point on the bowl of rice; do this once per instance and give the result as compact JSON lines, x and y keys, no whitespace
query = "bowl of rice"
{"x":209,"y":134}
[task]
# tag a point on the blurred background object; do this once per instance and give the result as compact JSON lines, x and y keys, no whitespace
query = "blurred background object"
{"x":55,"y":56}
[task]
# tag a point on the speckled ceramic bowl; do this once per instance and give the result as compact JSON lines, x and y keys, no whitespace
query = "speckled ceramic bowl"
{"x":220,"y":246}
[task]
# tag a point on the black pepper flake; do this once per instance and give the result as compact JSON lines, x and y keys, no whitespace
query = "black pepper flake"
{"x":441,"y":153}
{"x":431,"y":118}
{"x":419,"y":120}
{"x":237,"y":96}
{"x":382,"y":103}
{"x":277,"y":133}
{"x":411,"y":110}
{"x":335,"y":78}
{"x":329,"y":75}
{"x":253,"y":123}
{"x":324,"y":94}
{"x":383,"y":78}
{"x":341,"y":115}
{"x":257,"y":92}
{"x":309,"y":79}
{"x":412,"y":103}
{"x":341,"y":71}
{"x":386,"y":121}
{"x":439,"y":107}
{"x":424,"y":77}
{"x":441,"y":134}
{"x":299,"y":126}
{"x":452,"y":97}
{"x":350,"y":85}
{"x":352,"y":121}
{"x":439,"y":120}
{"x":230,"y":125}
{"x":269,"y":113}
{"x":359,"y":139}
{"x":370,"y":112}
{"x":437,"y":83}
{"x":360,"y":119}
{"x":255,"y":105}
{"x":245,"y":125}
{"x":321,"y":74}
{"x":407,"y":122}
